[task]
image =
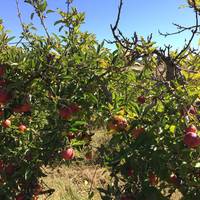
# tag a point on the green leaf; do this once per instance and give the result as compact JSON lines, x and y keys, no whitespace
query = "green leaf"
{"x":50,"y":11}
{"x":32,"y":15}
{"x":11,"y":38}
{"x":79,"y":123}
{"x":60,"y":29}
{"x":42,"y":7}
{"x":172,"y":128}
{"x":58,"y":22}
{"x":77,"y":142}
{"x":197,"y":165}
{"x":91,"y":195}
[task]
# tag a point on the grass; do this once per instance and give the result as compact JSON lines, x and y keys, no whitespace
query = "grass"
{"x":76,"y":182}
{"x":80,"y":179}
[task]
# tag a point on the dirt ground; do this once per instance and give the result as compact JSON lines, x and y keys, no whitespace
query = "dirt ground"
{"x":76,"y":182}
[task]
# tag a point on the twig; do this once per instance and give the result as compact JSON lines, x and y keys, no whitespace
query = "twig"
{"x":93,"y":179}
{"x":41,"y":17}
{"x":192,"y":36}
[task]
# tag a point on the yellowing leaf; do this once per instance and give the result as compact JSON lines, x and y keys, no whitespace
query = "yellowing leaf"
{"x":172,"y":128}
{"x":103,"y":63}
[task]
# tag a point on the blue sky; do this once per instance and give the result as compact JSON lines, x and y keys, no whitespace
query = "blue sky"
{"x":142,"y":16}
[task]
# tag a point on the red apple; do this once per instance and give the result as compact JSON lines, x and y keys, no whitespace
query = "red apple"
{"x":2,"y":82}
{"x":4,"y":96}
{"x":2,"y":70}
{"x":141,"y":99}
{"x":17,"y":109}
{"x":26,"y":107}
{"x":192,"y":128}
{"x":20,"y":197}
{"x":174,"y":179}
{"x":189,"y":109}
{"x":22,"y":128}
{"x":70,"y":136}
{"x":6,"y":123}
{"x":10,"y":169}
{"x":153,"y":179}
{"x":192,"y":110}
{"x":121,"y":125}
{"x":119,"y":122}
{"x":74,"y":107}
{"x":65,"y":112}
{"x":191,"y":140}
{"x":137,"y":132}
{"x":68,"y":154}
{"x":130,"y":172}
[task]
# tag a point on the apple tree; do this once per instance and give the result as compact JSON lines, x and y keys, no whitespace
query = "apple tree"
{"x":155,"y":145}
{"x":53,"y":88}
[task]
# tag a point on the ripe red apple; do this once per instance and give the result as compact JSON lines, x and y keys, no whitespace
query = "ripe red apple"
{"x":26,"y":107}
{"x":192,"y":128}
{"x":153,"y":179}
{"x":2,"y":70}
{"x":191,"y":140}
{"x":70,"y":136}
{"x":65,"y":112}
{"x":141,"y":99}
{"x":121,"y":125}
{"x":130,"y":172}
{"x":189,"y":109}
{"x":68,"y":154}
{"x":74,"y":107}
{"x":17,"y":109}
{"x":22,"y":128}
{"x":174,"y":179}
{"x":10,"y":169}
{"x":4,"y":96}
{"x":6,"y":123}
{"x":192,"y":110}
{"x":119,"y":122}
{"x":20,"y":196}
{"x":137,"y":132}
{"x":2,"y":82}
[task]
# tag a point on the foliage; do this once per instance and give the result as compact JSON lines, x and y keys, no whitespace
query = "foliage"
{"x":53,"y":86}
{"x":55,"y":89}
{"x":158,"y":96}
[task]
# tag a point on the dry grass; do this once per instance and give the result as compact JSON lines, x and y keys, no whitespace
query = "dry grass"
{"x":77,"y":181}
